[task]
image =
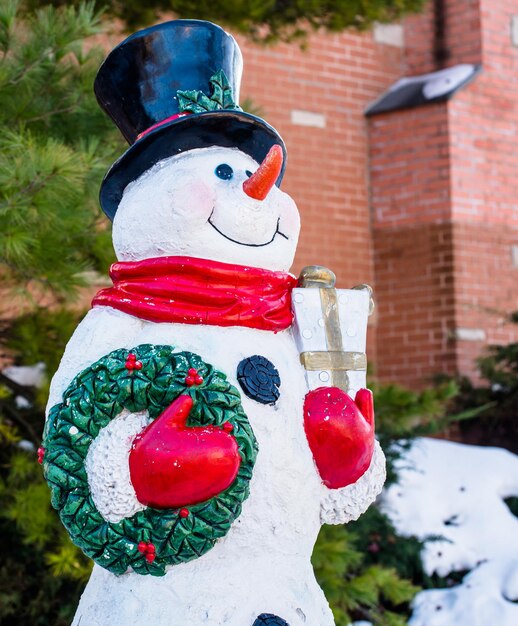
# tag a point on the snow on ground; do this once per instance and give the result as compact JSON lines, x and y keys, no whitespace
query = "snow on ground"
{"x":457,"y":492}
{"x":28,"y":375}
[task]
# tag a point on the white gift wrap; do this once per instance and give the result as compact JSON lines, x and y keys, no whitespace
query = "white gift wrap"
{"x":311,"y":334}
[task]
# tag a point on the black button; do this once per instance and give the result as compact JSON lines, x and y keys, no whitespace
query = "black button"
{"x":259,"y":379}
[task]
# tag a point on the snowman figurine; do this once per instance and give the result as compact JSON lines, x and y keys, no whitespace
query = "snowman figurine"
{"x":198,"y":434}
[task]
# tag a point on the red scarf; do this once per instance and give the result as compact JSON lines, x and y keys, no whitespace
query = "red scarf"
{"x":197,"y":291}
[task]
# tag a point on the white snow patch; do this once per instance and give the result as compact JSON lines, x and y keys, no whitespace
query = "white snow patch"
{"x":26,"y":445}
{"x":457,"y":491}
{"x":27,"y":375}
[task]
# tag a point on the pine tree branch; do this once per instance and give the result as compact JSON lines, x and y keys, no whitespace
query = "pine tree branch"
{"x":33,"y":187}
{"x":44,"y":116}
{"x":27,"y":68}
{"x":16,"y":417}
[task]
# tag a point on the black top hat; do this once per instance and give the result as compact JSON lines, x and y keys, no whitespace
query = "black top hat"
{"x":156,"y":86}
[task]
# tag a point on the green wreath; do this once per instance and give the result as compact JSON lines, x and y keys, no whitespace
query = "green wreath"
{"x":99,"y":394}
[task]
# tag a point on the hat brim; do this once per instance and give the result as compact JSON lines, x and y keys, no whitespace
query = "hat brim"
{"x":228,"y":129}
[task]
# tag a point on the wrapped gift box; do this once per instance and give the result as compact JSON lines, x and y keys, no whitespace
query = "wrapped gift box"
{"x":330,"y":331}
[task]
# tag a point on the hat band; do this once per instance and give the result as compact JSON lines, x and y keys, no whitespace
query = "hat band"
{"x":171,"y":118}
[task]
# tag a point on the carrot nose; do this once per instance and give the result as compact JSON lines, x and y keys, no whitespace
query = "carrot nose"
{"x":259,"y":184}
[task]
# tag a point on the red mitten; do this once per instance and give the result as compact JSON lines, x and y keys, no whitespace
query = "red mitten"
{"x":173,"y":465}
{"x":340,"y":433}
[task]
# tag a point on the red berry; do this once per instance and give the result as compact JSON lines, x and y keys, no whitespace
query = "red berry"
{"x":130,"y":365}
{"x":150,"y":549}
{"x":142,"y":546}
{"x":184,"y":513}
{"x":150,"y":557}
{"x":138,"y":365}
{"x":131,"y":357}
{"x":41,"y":454}
{"x":189,"y":381}
{"x":198,"y":380}
{"x":228,"y":427}
{"x":192,"y":371}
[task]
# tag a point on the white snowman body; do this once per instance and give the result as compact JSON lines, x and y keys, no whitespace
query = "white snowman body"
{"x":181,"y":208}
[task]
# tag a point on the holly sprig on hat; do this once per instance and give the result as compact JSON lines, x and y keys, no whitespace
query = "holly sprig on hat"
{"x":145,"y":378}
{"x":195,"y":101}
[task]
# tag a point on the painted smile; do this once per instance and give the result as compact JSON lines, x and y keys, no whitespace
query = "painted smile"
{"x":242,"y":243}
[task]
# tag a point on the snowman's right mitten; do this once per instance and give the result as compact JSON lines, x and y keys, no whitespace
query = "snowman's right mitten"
{"x":174,"y":465}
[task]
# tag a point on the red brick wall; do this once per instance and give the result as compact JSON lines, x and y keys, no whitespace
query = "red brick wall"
{"x":444,"y":191}
{"x":414,"y":268}
{"x":413,"y":246}
{"x":486,"y":288}
{"x":418,"y":53}
{"x":410,"y":167}
{"x":462,"y":39}
{"x":484,"y":158}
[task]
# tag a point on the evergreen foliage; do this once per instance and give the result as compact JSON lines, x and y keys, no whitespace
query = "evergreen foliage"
{"x":54,"y":148}
{"x":355,"y":588}
{"x":42,"y":573}
{"x":267,"y":20}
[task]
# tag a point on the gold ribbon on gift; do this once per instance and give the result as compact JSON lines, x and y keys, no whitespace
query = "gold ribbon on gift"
{"x":316,"y":361}
{"x":335,"y":359}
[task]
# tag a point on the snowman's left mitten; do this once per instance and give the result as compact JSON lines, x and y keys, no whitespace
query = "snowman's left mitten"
{"x":350,"y":461}
{"x":340,"y":433}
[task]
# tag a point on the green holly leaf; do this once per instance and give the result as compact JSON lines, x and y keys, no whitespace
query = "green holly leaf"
{"x":222,"y":92}
{"x":195,"y":101}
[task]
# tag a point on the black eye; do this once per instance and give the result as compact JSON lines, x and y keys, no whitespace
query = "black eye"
{"x":224,"y":171}
{"x":248,"y":173}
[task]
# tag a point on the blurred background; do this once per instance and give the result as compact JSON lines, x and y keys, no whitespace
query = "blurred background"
{"x":401,"y":119}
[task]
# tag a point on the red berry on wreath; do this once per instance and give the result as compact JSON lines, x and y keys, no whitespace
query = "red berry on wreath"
{"x":41,"y":454}
{"x":184,"y":513}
